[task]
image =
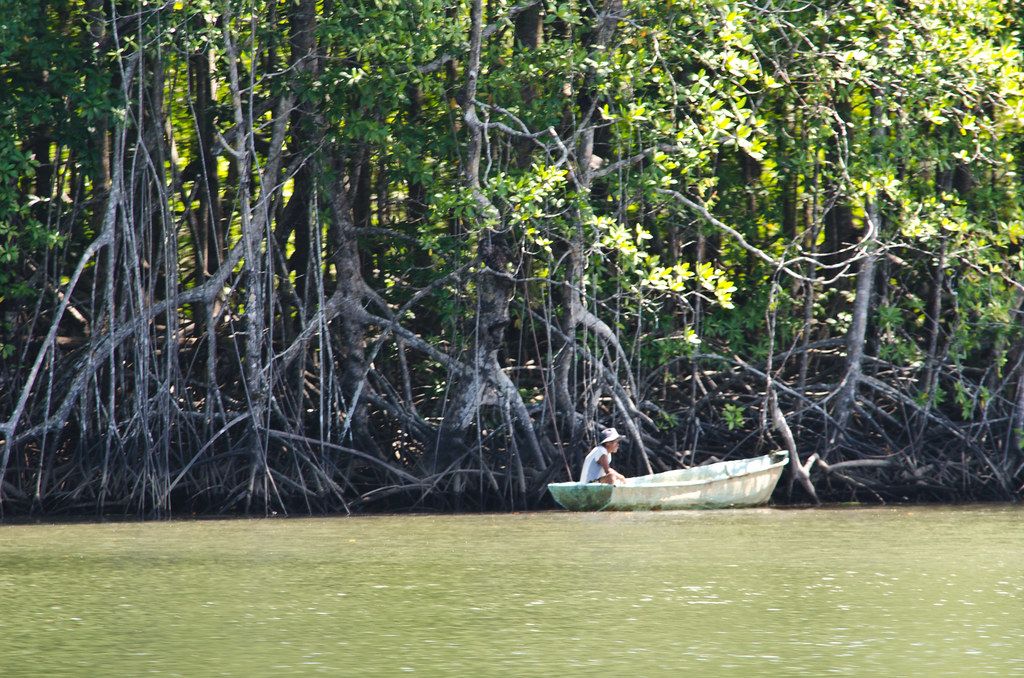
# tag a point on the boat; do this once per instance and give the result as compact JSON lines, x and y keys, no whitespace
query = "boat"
{"x":724,"y":484}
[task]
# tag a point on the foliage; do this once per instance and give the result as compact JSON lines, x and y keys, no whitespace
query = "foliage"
{"x":244,"y":240}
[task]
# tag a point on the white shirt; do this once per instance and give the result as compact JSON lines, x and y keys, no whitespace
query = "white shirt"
{"x":592,"y":469}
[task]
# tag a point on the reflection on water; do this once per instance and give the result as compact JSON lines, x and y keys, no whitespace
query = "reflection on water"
{"x":759,"y":592}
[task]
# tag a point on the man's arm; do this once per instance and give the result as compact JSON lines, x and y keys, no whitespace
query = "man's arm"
{"x":604,"y":461}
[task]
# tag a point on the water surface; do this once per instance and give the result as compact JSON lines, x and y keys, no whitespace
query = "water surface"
{"x":755,"y":592}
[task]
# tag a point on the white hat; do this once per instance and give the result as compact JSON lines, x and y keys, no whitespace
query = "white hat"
{"x":608,"y":435}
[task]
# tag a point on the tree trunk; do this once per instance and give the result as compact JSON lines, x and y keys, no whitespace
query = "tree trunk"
{"x":487,"y":383}
{"x":857,"y":333}
{"x":255,"y":230}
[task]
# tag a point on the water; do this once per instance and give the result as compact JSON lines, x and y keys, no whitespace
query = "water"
{"x":761,"y":592}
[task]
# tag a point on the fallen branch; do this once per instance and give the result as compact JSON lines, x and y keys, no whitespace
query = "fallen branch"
{"x":801,"y":472}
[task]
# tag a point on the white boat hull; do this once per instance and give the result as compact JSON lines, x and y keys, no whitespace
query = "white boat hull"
{"x":727,"y":484}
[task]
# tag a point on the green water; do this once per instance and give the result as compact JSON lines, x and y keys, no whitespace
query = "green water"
{"x":761,"y":592}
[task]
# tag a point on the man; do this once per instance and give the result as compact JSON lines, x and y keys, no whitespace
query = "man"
{"x":597,"y":466}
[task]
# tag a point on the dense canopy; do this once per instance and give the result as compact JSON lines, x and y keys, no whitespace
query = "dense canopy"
{"x":305,"y":257}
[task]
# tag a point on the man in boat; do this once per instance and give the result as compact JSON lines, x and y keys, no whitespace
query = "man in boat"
{"x":597,"y":466}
